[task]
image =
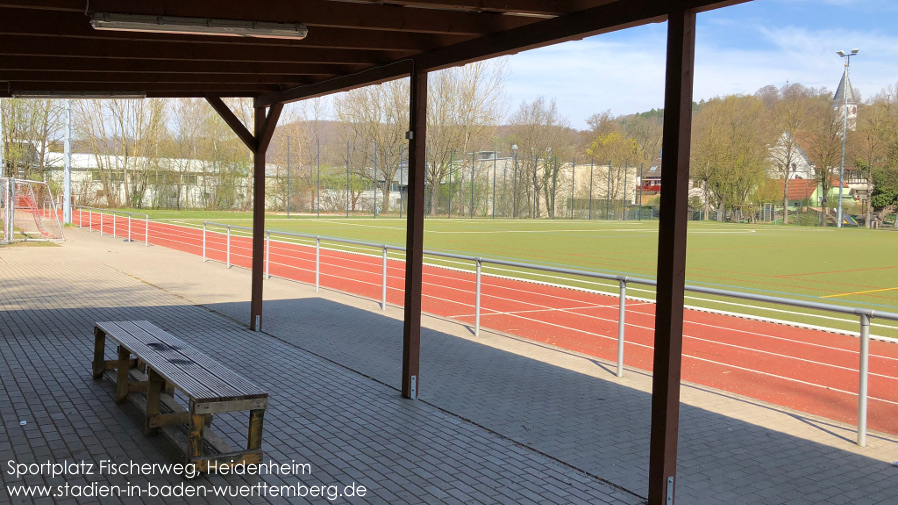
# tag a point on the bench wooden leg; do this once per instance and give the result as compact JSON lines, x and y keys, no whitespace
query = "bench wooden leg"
{"x":254,"y":439}
{"x":155,"y":382}
{"x":124,"y":365}
{"x":99,"y":364}
{"x":195,"y":434}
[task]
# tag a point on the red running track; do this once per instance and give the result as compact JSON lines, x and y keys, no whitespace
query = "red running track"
{"x":807,"y":370}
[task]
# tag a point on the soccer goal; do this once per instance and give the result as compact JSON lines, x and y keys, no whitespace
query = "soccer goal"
{"x":28,"y":211}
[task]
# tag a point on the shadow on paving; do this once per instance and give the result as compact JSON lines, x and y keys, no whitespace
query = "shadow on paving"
{"x":349,"y":428}
{"x":594,"y":424}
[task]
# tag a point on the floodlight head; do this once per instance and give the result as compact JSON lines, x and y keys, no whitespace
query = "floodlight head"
{"x":854,"y":51}
{"x":840,"y":53}
{"x":514,"y":147}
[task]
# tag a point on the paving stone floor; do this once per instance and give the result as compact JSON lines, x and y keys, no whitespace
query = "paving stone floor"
{"x":500,"y":420}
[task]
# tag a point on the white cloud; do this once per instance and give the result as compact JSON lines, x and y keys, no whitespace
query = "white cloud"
{"x":624,"y":72}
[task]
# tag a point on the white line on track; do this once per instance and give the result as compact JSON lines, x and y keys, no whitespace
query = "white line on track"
{"x":646,"y":346}
{"x":630,"y":306}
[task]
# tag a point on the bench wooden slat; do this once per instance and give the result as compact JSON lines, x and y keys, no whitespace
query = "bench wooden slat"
{"x":173,"y":357}
{"x":114,"y":330}
{"x":214,"y":367}
{"x":169,"y":361}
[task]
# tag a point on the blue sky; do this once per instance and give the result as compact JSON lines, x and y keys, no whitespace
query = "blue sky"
{"x":739,"y":49}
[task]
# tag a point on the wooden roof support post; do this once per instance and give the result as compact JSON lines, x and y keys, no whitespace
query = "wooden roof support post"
{"x":414,"y":240}
{"x":671,"y":256}
{"x":264,"y":126}
{"x":232,"y":120}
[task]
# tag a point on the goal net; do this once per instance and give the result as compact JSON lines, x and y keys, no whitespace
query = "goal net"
{"x":28,"y":211}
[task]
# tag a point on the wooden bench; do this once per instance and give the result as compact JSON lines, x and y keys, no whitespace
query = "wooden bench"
{"x":152,"y":361}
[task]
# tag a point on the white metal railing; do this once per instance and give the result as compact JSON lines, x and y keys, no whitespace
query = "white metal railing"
{"x":865,"y":315}
{"x":115,"y":215}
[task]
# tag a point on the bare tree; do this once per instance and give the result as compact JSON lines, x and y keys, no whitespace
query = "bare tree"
{"x":790,"y":114}
{"x":621,"y":151}
{"x":538,"y":130}
{"x":375,"y":119}
{"x":190,"y":117}
{"x":124,"y":137}
{"x":824,"y":133}
{"x":877,"y":134}
{"x":29,"y":125}
{"x":730,"y":150}
{"x":465,"y":106}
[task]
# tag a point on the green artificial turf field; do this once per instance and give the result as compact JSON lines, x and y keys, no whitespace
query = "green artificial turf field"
{"x":852,"y":267}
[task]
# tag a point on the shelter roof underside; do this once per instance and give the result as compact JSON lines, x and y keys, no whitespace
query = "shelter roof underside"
{"x":49,"y":45}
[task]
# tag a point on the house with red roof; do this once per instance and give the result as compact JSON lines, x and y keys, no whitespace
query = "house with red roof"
{"x":808,"y":192}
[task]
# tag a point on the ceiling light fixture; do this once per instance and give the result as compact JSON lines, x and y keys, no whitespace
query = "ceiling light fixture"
{"x":90,"y":95}
{"x":197,"y":26}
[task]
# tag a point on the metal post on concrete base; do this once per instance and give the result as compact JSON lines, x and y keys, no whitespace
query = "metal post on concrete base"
{"x":621,"y":325}
{"x":383,"y":304}
{"x":477,"y":277}
{"x":863,"y":372}
{"x":317,"y":264}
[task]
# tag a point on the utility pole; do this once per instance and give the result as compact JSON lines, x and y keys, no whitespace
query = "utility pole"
{"x":495,"y":156}
{"x":573,"y":176}
{"x":401,"y":173}
{"x":845,"y":89}
{"x":67,"y":177}
{"x":451,"y":155}
{"x":347,"y":179}
{"x":375,"y":181}
{"x":591,"y":166}
{"x":608,"y":193}
{"x":514,"y":213}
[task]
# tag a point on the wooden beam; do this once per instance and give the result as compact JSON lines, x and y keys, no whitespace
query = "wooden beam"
{"x":233,"y":121}
{"x":312,"y":13}
{"x":189,"y":89}
{"x":87,"y":64}
{"x":149,"y":77}
{"x":668,"y":353}
{"x":75,"y":26}
{"x":414,"y":238}
{"x":28,"y":45}
{"x":262,"y":122}
{"x":600,"y":19}
{"x":374,"y":75}
{"x":271,"y":121}
{"x":531,"y":7}
{"x":575,"y":26}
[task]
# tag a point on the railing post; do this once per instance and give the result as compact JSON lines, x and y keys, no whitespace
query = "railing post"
{"x":862,"y":389}
{"x":204,"y":241}
{"x":383,"y":304}
{"x":129,"y":227}
{"x":113,"y":224}
{"x":477,"y":276}
{"x":90,"y":221}
{"x":621,"y":324}
{"x":80,"y":217}
{"x":317,"y":264}
{"x":267,"y":254}
{"x":146,"y":230}
{"x":101,"y":223}
{"x":228,"y":248}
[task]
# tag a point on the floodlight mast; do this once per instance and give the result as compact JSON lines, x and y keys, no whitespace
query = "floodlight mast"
{"x":845,"y":89}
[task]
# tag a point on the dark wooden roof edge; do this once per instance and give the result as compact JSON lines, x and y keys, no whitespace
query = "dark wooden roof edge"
{"x":603,"y":18}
